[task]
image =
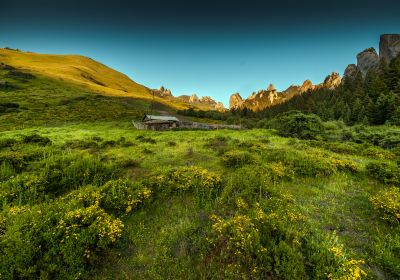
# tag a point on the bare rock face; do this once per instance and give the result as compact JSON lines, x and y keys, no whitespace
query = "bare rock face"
{"x":271,"y":87}
{"x":235,"y":101}
{"x":207,"y":100}
{"x":389,"y":47}
{"x":306,"y":86}
{"x":350,"y":71}
{"x":219,"y":106}
{"x":367,"y":60}
{"x":332,"y":81}
{"x":162,"y":92}
{"x":193,"y":98}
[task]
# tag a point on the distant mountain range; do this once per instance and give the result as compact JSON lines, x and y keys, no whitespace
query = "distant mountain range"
{"x":389,"y":48}
{"x":95,"y":76}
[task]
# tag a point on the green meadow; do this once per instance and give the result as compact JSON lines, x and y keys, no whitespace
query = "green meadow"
{"x":84,"y":195}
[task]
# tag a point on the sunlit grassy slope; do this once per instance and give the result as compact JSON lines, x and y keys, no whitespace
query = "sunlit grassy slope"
{"x":81,"y":71}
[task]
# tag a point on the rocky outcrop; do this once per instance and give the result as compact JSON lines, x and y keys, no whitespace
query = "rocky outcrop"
{"x":332,"y":81}
{"x":235,"y":101}
{"x":162,"y":92}
{"x":350,"y":72}
{"x":219,"y":106}
{"x":207,"y":100}
{"x":389,"y":47}
{"x":367,"y":60}
{"x":306,"y":86}
{"x":193,"y":98}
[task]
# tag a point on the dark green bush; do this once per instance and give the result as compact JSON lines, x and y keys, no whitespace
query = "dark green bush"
{"x":36,"y":139}
{"x":384,"y":172}
{"x":236,"y":158}
{"x":63,"y":174}
{"x":299,"y":125}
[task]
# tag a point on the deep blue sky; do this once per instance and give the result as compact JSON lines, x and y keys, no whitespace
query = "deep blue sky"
{"x":206,"y":47}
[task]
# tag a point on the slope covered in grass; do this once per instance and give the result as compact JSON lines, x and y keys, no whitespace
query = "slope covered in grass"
{"x":82,"y":71}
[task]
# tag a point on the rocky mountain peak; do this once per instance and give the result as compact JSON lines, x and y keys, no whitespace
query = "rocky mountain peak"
{"x":193,"y":98}
{"x":350,"y":71}
{"x":207,"y":100}
{"x":389,"y":47}
{"x":306,"y":86}
{"x":332,"y":81}
{"x":235,"y":101}
{"x":367,"y":60}
{"x":162,"y":92}
{"x":271,"y":87}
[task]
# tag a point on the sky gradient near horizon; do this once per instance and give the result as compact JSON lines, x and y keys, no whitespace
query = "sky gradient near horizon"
{"x":206,"y":47}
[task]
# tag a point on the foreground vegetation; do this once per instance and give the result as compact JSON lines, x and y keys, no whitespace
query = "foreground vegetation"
{"x":107,"y":201}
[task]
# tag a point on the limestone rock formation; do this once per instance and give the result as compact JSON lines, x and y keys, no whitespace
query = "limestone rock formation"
{"x":350,"y":71}
{"x":219,"y":106}
{"x":193,"y":98}
{"x":389,"y":47}
{"x":207,"y":100}
{"x":235,"y":101}
{"x":332,"y":81}
{"x":306,"y":86}
{"x":162,"y":92}
{"x":271,"y":87}
{"x":367,"y":60}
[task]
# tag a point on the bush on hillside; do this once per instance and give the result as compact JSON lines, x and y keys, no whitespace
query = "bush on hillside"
{"x":236,"y":158}
{"x":387,"y":203}
{"x":299,"y":125}
{"x":384,"y":172}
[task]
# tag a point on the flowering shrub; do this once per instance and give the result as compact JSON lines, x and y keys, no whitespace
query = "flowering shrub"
{"x":116,"y":196}
{"x":387,"y":203}
{"x":272,"y":241}
{"x":188,"y":178}
{"x":55,"y":240}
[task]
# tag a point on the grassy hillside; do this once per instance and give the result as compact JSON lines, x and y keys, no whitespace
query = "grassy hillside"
{"x":81,"y":71}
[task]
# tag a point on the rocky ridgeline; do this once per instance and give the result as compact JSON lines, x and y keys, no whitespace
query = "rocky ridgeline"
{"x":269,"y":97}
{"x":205,"y":102}
{"x":367,"y":60}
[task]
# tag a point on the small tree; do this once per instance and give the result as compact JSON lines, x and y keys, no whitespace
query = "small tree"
{"x":299,"y":125}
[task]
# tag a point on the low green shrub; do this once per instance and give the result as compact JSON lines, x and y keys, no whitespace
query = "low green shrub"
{"x":218,"y":144}
{"x":36,"y":139}
{"x":7,"y":142}
{"x":384,"y":172}
{"x":145,"y":139}
{"x":387,"y":203}
{"x":236,"y":158}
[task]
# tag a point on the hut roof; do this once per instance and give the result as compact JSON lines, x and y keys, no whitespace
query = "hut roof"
{"x":160,"y":118}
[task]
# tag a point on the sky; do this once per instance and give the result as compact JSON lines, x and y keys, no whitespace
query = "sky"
{"x":211,"y":48}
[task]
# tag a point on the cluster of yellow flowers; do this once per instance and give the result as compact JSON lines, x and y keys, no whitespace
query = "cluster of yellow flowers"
{"x":343,"y":165}
{"x":351,"y":270}
{"x":108,"y":229}
{"x":188,"y":177}
{"x":387,"y":202}
{"x":141,"y":196}
{"x":15,"y":210}
{"x":239,"y":232}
